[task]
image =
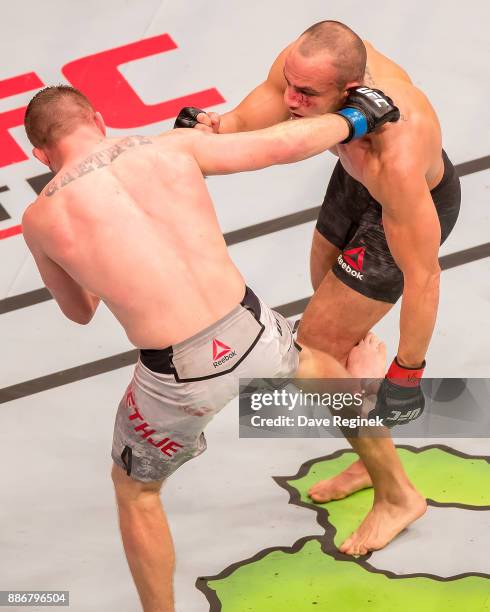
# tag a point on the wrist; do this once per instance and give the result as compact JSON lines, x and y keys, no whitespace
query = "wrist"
{"x":408,"y":362}
{"x":356,"y":121}
{"x":230,"y":123}
{"x":405,"y":376}
{"x":345,"y":129}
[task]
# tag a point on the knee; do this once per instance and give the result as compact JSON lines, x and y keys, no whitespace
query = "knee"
{"x":330,"y":343}
{"x":131,"y":493}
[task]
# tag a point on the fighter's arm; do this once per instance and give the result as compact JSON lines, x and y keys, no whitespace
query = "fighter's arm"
{"x":413,"y":233}
{"x":262,"y":107}
{"x":75,"y":302}
{"x":285,"y":143}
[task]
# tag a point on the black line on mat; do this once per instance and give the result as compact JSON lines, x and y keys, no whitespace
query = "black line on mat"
{"x":3,"y":213}
{"x":39,"y":182}
{"x":463,"y":257}
{"x":63,"y":377}
{"x":31,"y":298}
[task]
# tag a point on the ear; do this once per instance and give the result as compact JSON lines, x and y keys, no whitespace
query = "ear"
{"x":100,"y":123}
{"x":41,"y":156}
{"x":348,"y":85}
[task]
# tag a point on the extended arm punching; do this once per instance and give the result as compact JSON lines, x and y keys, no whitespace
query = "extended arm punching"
{"x":365,"y":110}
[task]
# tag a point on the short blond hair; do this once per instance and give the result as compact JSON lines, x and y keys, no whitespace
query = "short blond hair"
{"x":54,"y":112}
{"x":341,"y":43}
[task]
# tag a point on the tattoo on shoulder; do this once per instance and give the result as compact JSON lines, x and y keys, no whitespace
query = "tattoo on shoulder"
{"x":95,"y":162}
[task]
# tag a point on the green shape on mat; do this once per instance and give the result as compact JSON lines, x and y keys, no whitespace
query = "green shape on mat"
{"x":311,"y":581}
{"x":439,"y":475}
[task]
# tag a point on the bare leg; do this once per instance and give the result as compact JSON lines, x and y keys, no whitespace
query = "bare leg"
{"x":336,"y":320}
{"x":323,"y":255}
{"x":366,"y":360}
{"x":396,"y":501}
{"x":146,"y":539}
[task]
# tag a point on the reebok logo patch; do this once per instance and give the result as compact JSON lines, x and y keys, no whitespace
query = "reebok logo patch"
{"x":221,"y":353}
{"x":352,"y":260}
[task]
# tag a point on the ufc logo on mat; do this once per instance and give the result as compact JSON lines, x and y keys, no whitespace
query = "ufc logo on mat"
{"x":100,"y":79}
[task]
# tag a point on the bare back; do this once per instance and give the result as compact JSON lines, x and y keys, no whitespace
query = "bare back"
{"x":139,"y":230}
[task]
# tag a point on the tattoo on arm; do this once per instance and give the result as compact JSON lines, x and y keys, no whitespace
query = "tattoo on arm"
{"x":95,"y":162}
{"x":368,"y":79}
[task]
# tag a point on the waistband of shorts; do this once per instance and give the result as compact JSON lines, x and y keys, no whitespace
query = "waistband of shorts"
{"x":160,"y":360}
{"x":448,"y":176}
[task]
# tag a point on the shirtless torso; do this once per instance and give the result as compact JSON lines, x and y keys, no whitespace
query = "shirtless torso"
{"x":398,"y":166}
{"x":130,"y":221}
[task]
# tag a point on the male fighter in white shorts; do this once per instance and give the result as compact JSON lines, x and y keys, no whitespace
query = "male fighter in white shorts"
{"x":129,"y":221}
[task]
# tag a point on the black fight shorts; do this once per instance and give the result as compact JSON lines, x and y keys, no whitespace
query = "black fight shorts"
{"x":351,"y":219}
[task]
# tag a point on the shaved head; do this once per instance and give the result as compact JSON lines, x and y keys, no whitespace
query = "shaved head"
{"x":344,"y":48}
{"x":55,"y":112}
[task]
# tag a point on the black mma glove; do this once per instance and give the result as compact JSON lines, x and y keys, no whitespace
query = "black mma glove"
{"x":366,"y":110}
{"x":400,"y":398}
{"x":187,"y":118}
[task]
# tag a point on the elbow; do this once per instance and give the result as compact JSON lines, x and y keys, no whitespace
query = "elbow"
{"x":424,"y":280}
{"x":80,"y":318}
{"x":83,"y":320}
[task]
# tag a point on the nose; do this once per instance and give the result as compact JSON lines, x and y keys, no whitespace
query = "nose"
{"x":291,"y":98}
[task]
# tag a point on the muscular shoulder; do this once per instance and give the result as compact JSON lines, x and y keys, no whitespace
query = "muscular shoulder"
{"x":33,"y":223}
{"x":177,"y":148}
{"x":276,"y":73}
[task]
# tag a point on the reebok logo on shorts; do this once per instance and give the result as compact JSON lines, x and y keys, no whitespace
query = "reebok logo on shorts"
{"x":351,"y":261}
{"x":221,"y":353}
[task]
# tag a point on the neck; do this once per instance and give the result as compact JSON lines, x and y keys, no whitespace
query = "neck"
{"x":78,"y":144}
{"x":368,"y":79}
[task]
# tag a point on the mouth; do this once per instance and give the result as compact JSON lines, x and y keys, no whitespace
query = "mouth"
{"x":295,"y":115}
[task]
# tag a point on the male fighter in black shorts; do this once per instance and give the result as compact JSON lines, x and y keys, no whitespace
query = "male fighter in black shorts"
{"x":392,"y":200}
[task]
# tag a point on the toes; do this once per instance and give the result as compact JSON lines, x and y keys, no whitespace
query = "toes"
{"x":370,"y":337}
{"x":345,"y":547}
{"x":315,"y":495}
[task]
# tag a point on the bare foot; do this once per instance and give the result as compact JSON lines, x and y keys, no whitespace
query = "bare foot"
{"x":352,"y":479}
{"x":368,"y":358}
{"x":384,"y":522}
